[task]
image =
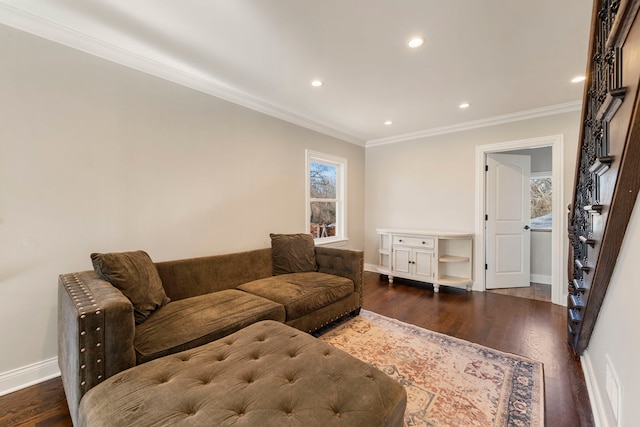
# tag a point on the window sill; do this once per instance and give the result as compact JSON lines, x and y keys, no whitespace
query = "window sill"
{"x":333,"y":241}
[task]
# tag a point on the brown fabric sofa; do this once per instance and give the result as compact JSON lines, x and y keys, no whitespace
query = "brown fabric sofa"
{"x":210,"y":297}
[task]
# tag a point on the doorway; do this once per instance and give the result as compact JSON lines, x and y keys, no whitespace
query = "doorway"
{"x":507,"y":230}
{"x":557,"y":172}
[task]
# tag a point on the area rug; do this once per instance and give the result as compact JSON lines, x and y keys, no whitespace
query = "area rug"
{"x":449,"y":382}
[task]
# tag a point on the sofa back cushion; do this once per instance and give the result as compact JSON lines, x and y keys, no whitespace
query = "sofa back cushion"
{"x":137,"y":278}
{"x":293,"y":253}
{"x":191,"y":277}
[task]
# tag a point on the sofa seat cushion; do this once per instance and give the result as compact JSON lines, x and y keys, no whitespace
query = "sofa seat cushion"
{"x":267,"y":375}
{"x":301,"y":293}
{"x":191,"y":322}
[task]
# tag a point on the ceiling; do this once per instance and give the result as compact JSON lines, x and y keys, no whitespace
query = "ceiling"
{"x":510,"y":59}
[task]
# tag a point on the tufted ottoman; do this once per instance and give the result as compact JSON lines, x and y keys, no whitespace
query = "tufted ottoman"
{"x":267,"y":374}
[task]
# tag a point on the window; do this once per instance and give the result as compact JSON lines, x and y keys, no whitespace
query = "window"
{"x":326,"y":196}
{"x":541,"y":191}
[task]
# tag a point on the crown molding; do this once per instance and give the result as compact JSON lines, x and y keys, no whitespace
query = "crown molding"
{"x":475,"y":124}
{"x":173,"y":72}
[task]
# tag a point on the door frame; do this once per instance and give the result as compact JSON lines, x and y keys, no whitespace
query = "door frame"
{"x":558,"y":294}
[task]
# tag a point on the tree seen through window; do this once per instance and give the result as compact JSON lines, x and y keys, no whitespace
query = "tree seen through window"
{"x":323,"y":203}
{"x":541,"y":212}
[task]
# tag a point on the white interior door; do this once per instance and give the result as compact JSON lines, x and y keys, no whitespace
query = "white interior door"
{"x":508,"y":235}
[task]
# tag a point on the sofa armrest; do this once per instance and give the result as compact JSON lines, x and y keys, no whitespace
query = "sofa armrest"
{"x":95,"y":333}
{"x":342,"y":262}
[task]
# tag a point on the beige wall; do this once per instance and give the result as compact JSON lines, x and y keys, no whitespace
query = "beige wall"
{"x":541,"y":158}
{"x":616,"y":335}
{"x":430,"y":183}
{"x":541,"y":256}
{"x":97,"y":157}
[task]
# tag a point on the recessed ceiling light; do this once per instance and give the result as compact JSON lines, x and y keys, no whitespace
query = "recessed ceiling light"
{"x":388,"y":123}
{"x":464,"y":105}
{"x":415,"y":42}
{"x":577,"y":79}
{"x":317,"y":83}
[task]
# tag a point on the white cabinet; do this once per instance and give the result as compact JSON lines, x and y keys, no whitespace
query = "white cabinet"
{"x":384,"y":253}
{"x":432,"y":257}
{"x":455,"y":261}
{"x":413,"y":257}
{"x":416,"y":263}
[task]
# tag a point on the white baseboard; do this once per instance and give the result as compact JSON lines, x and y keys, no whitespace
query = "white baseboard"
{"x":26,"y":376}
{"x":595,"y":398}
{"x":371,"y":267}
{"x":540,"y":278}
{"x":534,"y":278}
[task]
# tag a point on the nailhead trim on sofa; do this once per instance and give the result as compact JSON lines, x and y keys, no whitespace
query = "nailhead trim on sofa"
{"x":91,"y":331}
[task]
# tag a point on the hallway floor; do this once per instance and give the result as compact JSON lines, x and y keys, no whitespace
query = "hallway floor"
{"x":537,"y":291}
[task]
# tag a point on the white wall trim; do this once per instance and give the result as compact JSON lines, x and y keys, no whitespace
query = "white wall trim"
{"x":26,"y":376}
{"x":370,"y":267}
{"x":595,"y":398}
{"x":558,"y":296}
{"x":173,"y":72}
{"x":541,"y":174}
{"x":540,"y":278}
{"x":475,"y":124}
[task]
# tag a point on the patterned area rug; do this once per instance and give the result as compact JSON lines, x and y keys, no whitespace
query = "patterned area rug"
{"x":449,"y":382}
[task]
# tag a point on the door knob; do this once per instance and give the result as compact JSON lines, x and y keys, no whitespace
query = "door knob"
{"x":526,"y":227}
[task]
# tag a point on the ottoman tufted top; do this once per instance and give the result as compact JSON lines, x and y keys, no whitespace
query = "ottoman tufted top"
{"x":267,"y":374}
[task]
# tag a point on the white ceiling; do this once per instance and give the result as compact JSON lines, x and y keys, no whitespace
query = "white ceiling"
{"x":510,"y":59}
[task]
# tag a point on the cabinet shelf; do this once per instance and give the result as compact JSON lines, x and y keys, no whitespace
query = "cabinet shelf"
{"x":384,"y":254}
{"x":453,"y":280}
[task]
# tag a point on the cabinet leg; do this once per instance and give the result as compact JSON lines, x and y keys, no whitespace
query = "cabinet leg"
{"x":436,"y":288}
{"x":390,"y":280}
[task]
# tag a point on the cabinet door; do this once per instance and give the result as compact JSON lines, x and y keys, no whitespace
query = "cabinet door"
{"x":401,"y":258}
{"x":423,"y":264}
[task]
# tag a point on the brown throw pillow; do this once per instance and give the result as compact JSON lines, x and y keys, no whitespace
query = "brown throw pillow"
{"x":293,"y":253}
{"x":137,"y":278}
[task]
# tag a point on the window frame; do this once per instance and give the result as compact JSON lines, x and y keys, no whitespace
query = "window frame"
{"x":542,"y":175}
{"x":340,"y":164}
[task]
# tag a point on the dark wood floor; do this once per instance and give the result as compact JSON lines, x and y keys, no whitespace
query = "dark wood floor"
{"x":533,"y":291}
{"x":531,"y":328}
